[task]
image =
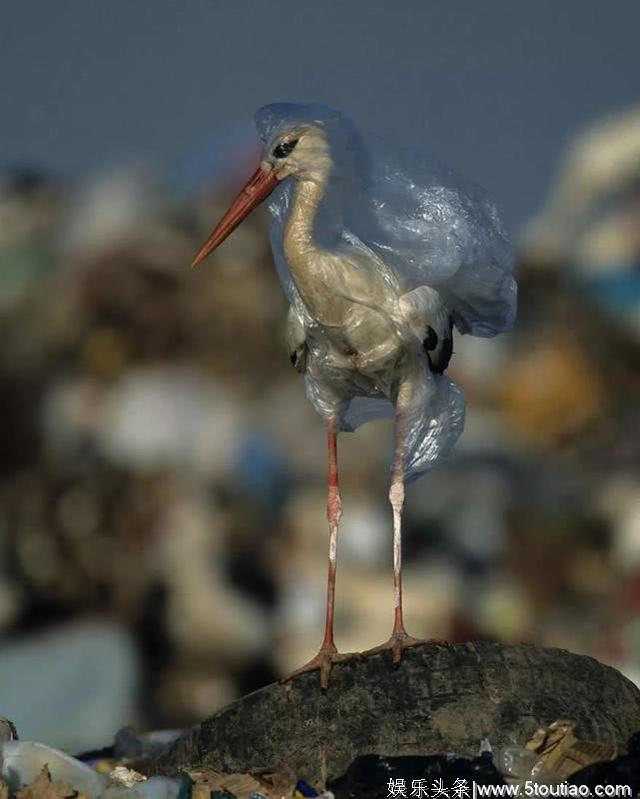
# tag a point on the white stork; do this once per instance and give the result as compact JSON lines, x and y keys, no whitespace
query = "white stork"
{"x":380,"y":260}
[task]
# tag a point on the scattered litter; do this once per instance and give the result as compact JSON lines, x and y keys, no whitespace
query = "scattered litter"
{"x":153,"y":788}
{"x":624,"y":770}
{"x":23,"y":762}
{"x":121,"y":775}
{"x":35,"y":771}
{"x":303,"y":789}
{"x":560,"y":753}
{"x":516,"y":763}
{"x":31,"y":770}
{"x":485,"y":747}
{"x":43,"y":787}
{"x":208,"y":782}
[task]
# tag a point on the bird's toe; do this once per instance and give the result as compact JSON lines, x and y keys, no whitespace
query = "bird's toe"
{"x":323,"y":661}
{"x":397,"y":643}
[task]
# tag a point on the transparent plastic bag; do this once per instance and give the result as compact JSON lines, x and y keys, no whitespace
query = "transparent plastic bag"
{"x":403,"y":223}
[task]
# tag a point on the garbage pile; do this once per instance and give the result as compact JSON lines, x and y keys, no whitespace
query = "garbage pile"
{"x":163,"y":480}
{"x":554,"y":757}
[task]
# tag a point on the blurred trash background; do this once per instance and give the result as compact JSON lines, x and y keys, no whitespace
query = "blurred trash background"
{"x":163,"y":479}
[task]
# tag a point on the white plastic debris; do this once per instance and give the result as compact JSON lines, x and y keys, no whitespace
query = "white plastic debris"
{"x":153,"y":788}
{"x":126,"y":777}
{"x":22,"y":762}
{"x":515,"y":762}
{"x":485,"y":746}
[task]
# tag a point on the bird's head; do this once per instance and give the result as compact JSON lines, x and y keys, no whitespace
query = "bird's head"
{"x":300,"y":151}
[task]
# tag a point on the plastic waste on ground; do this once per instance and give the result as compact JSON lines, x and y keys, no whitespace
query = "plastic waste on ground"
{"x":22,"y":762}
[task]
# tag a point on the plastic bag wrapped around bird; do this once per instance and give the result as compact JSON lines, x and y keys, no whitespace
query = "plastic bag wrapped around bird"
{"x":381,"y":253}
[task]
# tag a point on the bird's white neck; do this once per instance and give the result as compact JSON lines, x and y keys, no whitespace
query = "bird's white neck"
{"x":311,"y":271}
{"x":298,"y":235}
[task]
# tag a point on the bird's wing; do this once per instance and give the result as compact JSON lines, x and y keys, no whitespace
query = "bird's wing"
{"x":437,"y":229}
{"x":427,"y":315}
{"x":296,"y":340}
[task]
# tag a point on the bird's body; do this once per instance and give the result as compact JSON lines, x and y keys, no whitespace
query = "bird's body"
{"x":380,"y":261}
{"x":354,"y":329}
{"x":359,"y":335}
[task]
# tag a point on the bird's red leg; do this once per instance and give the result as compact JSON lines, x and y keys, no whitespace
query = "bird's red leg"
{"x":328,"y":653}
{"x":399,"y":637}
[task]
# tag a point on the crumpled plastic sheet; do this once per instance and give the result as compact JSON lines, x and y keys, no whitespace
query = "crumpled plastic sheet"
{"x":413,"y":223}
{"x":22,"y":761}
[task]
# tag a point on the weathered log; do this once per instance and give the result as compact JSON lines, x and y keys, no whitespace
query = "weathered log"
{"x":441,"y":698}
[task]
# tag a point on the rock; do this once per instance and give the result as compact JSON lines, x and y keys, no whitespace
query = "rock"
{"x":441,"y":698}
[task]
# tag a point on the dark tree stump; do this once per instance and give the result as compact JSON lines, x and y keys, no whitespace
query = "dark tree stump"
{"x":441,"y":698}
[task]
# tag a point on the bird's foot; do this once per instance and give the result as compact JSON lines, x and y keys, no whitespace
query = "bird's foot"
{"x":397,"y":643}
{"x":324,"y":660}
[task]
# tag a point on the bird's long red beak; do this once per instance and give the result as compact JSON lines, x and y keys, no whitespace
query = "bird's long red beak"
{"x":258,"y":188}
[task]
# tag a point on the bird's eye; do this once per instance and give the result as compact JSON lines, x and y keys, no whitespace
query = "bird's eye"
{"x":283,"y":149}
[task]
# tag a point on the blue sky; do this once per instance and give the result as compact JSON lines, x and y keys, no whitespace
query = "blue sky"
{"x":494,"y":87}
